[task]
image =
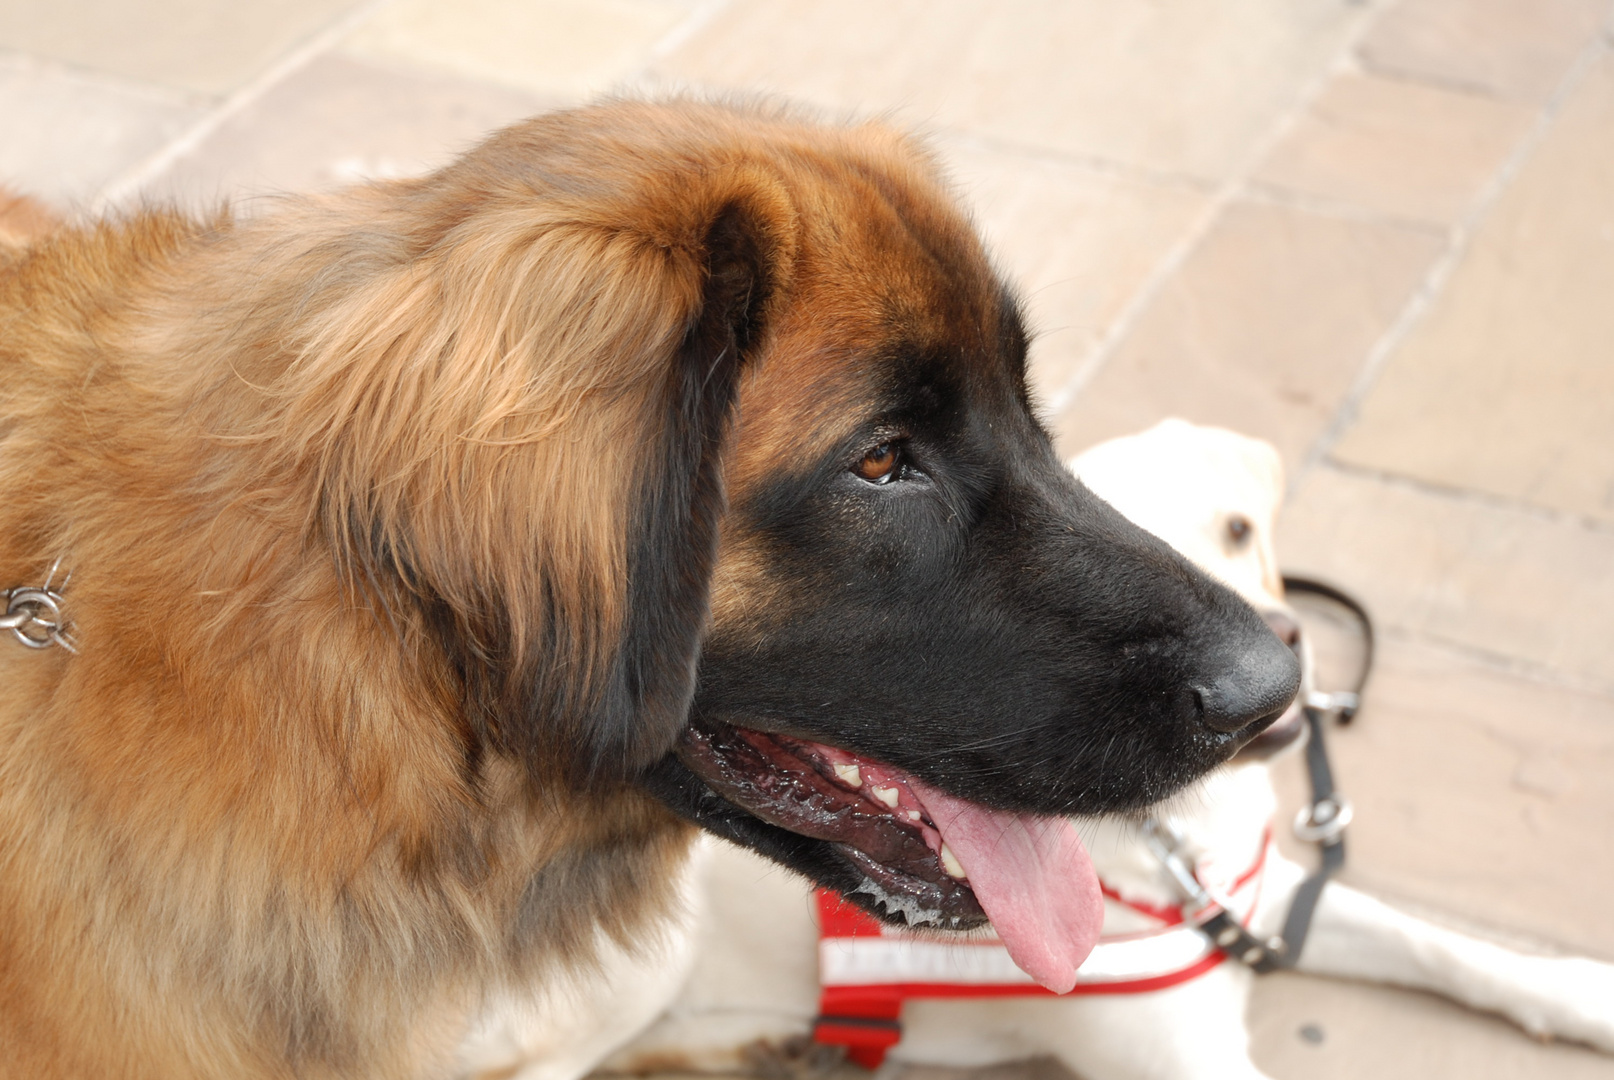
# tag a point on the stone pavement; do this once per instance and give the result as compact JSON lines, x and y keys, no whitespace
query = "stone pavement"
{"x":1379,"y":234}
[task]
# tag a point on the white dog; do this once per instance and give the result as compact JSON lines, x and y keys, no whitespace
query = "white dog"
{"x":757,"y":954}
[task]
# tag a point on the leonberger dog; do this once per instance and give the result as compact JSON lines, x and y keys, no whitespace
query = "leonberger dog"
{"x":434,"y":552}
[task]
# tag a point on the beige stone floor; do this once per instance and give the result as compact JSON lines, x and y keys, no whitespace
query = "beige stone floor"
{"x":1380,"y":234}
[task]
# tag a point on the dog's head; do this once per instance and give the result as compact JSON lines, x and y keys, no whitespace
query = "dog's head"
{"x":1214,"y":495}
{"x":733,"y":490}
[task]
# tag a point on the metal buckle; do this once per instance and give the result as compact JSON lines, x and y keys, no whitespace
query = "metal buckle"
{"x":1167,"y":843}
{"x":1337,"y":701}
{"x":1324,"y":820}
{"x":1209,"y":915}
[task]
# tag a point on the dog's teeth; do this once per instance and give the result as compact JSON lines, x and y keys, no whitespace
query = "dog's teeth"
{"x":887,"y":795}
{"x":849,"y":775}
{"x":951,"y":864}
{"x":914,"y":815}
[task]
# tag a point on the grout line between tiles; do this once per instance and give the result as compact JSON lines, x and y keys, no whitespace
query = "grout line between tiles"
{"x":1277,"y":195}
{"x":1392,"y":889}
{"x":931,"y":133}
{"x":1485,"y":499}
{"x":644,"y":79}
{"x":1238,"y":179}
{"x":693,"y":23}
{"x":1502,"y":663}
{"x":1439,"y":274}
{"x":129,"y":184}
{"x":1380,"y":70}
{"x":34,"y":65}
{"x":1094,"y":164}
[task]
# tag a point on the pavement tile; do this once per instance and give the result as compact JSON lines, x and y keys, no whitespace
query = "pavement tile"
{"x":207,"y":47}
{"x":64,"y":135}
{"x":1481,"y":797}
{"x":337,"y":121}
{"x":1515,"y":49}
{"x":1374,"y":1031}
{"x":1399,"y":148}
{"x":562,"y":49}
{"x":1481,"y":803}
{"x":1263,"y":329}
{"x":1189,"y":87}
{"x":1076,"y":243}
{"x":1503,"y":581}
{"x":1507,"y":385}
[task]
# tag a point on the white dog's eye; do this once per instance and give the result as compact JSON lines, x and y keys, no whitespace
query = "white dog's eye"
{"x":1239,"y":530}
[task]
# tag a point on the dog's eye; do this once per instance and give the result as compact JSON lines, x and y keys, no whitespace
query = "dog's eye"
{"x":1239,"y":530}
{"x":881,"y":464}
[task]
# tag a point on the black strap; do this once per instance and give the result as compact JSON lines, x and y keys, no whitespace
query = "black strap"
{"x":1298,"y":922}
{"x":1231,"y":938}
{"x":1312,"y":587}
{"x":1328,"y":813}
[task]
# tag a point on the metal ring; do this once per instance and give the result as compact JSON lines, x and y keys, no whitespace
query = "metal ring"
{"x":1324,"y":819}
{"x":35,"y":603}
{"x":59,"y":636}
{"x":1340,"y":701}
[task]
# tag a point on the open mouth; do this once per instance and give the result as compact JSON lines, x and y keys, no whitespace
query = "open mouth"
{"x":868,"y":811}
{"x":925,"y":856}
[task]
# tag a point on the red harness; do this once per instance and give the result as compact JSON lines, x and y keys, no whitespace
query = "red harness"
{"x":867,"y":970}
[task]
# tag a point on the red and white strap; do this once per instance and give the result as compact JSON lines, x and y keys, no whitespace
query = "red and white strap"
{"x":867,"y":969}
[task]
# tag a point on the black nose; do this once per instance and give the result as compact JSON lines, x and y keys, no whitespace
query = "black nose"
{"x":1255,"y":682}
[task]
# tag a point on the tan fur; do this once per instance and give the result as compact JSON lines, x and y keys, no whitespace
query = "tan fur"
{"x":239,"y":834}
{"x":22,"y":221}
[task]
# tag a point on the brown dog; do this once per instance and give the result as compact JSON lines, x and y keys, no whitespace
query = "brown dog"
{"x":393,"y":522}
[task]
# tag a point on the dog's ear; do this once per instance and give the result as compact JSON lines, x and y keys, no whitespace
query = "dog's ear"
{"x":519,"y":439}
{"x":674,"y":518}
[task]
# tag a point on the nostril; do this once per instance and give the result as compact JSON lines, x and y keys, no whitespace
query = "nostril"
{"x":1221,"y":708}
{"x":1285,"y":626}
{"x":1252,"y":692}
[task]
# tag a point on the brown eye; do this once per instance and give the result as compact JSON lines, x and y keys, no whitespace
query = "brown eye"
{"x":1239,"y":530}
{"x":879,"y":466}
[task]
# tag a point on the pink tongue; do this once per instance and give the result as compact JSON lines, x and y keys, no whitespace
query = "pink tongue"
{"x":1033,"y":879}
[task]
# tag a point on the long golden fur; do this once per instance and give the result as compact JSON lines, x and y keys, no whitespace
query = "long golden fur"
{"x":349,"y":493}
